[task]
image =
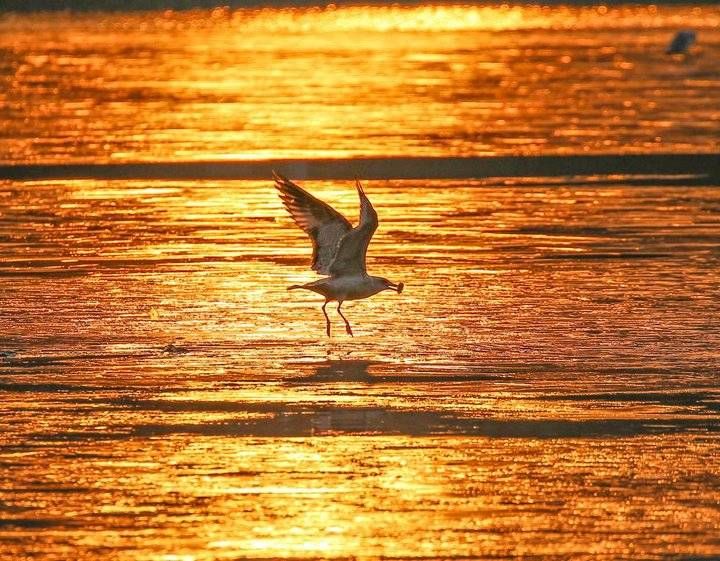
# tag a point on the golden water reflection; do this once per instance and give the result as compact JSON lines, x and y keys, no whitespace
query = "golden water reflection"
{"x":435,"y":81}
{"x":545,"y":385}
{"x":373,"y":497}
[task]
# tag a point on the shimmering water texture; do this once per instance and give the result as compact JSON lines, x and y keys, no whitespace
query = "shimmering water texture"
{"x":431,"y":81}
{"x":545,"y":387}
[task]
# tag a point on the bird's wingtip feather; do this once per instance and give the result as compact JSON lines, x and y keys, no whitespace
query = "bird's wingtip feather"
{"x":280,"y":180}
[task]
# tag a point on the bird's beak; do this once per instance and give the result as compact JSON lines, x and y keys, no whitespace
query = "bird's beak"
{"x":396,"y":287}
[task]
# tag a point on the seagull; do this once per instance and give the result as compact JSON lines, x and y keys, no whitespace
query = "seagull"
{"x":339,"y":250}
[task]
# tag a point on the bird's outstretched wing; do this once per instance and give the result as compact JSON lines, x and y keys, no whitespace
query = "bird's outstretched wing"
{"x":325,"y":225}
{"x":352,"y":248}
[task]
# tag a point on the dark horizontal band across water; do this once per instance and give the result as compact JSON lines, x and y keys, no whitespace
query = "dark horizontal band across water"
{"x":699,"y":168}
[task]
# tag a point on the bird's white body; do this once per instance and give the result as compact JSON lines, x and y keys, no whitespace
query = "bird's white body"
{"x":350,"y":287}
{"x":339,"y":250}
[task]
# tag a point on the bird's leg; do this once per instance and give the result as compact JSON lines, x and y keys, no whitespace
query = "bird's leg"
{"x":348,"y":329}
{"x":327,"y":319}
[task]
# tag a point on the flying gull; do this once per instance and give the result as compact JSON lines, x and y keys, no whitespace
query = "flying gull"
{"x":339,"y":250}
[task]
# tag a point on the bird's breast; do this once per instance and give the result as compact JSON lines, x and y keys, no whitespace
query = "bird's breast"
{"x":354,"y":288}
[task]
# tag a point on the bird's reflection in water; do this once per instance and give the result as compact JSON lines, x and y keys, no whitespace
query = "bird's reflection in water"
{"x":340,"y":376}
{"x":340,"y":420}
{"x":340,"y":371}
{"x":350,"y":421}
{"x":337,"y":374}
{"x":361,"y":371}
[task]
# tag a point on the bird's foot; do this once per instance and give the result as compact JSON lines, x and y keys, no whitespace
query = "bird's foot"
{"x":348,"y":330}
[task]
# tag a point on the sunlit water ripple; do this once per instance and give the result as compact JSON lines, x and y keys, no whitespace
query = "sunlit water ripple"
{"x":433,"y":81}
{"x":547,"y":382}
{"x":545,"y":387}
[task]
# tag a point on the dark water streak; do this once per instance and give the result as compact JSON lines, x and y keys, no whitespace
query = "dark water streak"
{"x":695,"y":169}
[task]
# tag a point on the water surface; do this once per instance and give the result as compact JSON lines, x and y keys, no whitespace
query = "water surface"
{"x":545,"y":386}
{"x":308,"y":83}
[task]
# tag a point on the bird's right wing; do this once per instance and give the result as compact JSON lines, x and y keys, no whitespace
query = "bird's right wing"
{"x":352,"y":249}
{"x":325,"y":225}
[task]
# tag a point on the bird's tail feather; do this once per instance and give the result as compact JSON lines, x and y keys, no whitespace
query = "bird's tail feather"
{"x":295,"y":287}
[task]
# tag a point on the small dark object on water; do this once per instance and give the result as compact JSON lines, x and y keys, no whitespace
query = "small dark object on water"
{"x":175,"y":350}
{"x":681,"y":43}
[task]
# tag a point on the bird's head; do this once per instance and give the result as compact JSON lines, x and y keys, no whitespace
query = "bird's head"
{"x":389,"y":285}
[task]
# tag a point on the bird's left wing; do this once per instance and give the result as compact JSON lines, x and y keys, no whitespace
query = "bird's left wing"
{"x":325,"y":225}
{"x":352,"y":249}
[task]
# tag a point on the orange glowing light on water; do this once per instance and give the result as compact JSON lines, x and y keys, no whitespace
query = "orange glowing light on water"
{"x":156,"y":372}
{"x":351,"y":81}
{"x":403,"y":18}
{"x":501,"y":400}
